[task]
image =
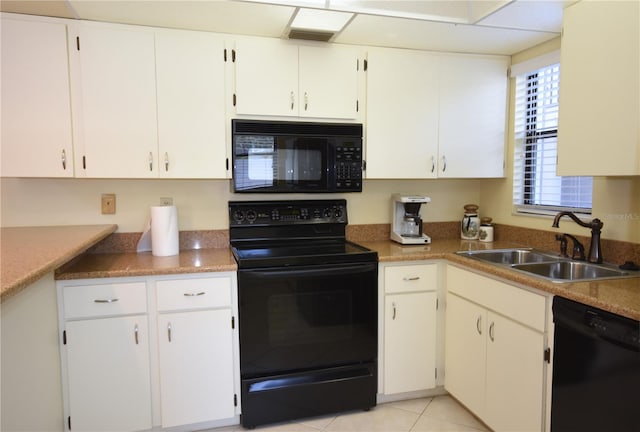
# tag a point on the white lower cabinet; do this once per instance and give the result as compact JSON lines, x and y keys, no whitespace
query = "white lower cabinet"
{"x":408,"y":328}
{"x":195,"y":349}
{"x":108,"y":374}
{"x":495,"y":350}
{"x":146,"y":352}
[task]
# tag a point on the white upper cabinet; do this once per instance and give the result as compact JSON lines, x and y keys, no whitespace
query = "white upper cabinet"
{"x":473,"y":115}
{"x":191,"y":117}
{"x":36,"y":106}
{"x":328,"y":81}
{"x":117,"y":128}
{"x":435,"y":115}
{"x":150,"y":103}
{"x":275,"y":77}
{"x":599,"y":119}
{"x":402,"y":114}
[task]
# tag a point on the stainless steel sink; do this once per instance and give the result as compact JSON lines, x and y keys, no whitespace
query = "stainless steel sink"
{"x":573,"y":270}
{"x":510,"y":256}
{"x":548,"y":265}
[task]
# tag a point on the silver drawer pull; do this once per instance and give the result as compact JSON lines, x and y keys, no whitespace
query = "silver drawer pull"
{"x":194,"y":294}
{"x":135,"y":333}
{"x":411,"y":278}
{"x":478,"y":322}
{"x":106,"y":300}
{"x":169,"y":331}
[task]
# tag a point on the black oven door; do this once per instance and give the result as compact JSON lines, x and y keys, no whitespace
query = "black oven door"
{"x":266,"y":163}
{"x":301,"y":318}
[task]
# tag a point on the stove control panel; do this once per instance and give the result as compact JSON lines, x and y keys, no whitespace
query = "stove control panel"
{"x":267,"y":213}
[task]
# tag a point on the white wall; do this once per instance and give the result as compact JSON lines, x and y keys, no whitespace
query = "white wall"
{"x":202,"y":204}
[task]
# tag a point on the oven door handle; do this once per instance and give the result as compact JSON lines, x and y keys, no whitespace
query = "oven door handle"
{"x":320,"y":270}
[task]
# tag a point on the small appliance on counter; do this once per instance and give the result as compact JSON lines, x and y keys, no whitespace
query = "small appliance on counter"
{"x":470,"y":224}
{"x":406,"y":220}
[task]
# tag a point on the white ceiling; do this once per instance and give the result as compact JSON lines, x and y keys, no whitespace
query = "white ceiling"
{"x":480,"y":26}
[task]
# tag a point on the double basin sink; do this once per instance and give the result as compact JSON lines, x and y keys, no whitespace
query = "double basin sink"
{"x":548,"y":266}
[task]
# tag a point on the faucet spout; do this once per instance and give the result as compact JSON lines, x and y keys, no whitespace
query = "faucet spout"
{"x":595,"y":249}
{"x":556,"y":220}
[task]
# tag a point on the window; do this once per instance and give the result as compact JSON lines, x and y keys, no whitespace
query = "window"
{"x":536,"y":188}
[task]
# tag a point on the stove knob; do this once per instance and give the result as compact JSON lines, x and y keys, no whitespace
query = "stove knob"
{"x":338,"y":213}
{"x":251,"y":216}
{"x":238,"y":215}
{"x":326,"y":213}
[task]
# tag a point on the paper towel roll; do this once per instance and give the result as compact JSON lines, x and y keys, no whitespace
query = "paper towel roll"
{"x":164,"y":230}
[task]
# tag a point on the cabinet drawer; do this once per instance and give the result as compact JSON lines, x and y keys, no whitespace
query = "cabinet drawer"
{"x":85,"y":301}
{"x":176,"y":294}
{"x":411,"y":278}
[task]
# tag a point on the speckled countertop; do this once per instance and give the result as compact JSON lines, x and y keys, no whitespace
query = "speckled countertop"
{"x":621,"y":296}
{"x":145,"y":264}
{"x":28,"y":253}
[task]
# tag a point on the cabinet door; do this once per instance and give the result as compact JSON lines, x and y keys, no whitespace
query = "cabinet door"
{"x":196,"y":366}
{"x":328,"y":82}
{"x":473,"y":109}
{"x":191,"y":116}
{"x":409,"y":342}
{"x":598,"y":132}
{"x":266,"y":77}
{"x":108,"y":372}
{"x":402,"y":114}
{"x":36,"y":106}
{"x":465,"y":352}
{"x":118,"y":128}
{"x":515,"y":366}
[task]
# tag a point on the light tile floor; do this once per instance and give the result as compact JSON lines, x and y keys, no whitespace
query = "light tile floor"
{"x":439,"y":413}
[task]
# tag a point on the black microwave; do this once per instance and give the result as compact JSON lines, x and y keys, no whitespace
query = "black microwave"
{"x":282,"y":157}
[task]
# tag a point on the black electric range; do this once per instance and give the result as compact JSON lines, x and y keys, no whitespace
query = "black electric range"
{"x":307,"y":311}
{"x":290,"y":233}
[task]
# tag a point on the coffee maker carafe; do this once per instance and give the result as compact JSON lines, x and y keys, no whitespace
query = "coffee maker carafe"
{"x":406,"y":227}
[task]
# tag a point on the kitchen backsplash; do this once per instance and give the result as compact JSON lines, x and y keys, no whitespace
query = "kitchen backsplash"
{"x":616,"y":252}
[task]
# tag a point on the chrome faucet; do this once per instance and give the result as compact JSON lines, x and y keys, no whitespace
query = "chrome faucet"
{"x":595,"y":250}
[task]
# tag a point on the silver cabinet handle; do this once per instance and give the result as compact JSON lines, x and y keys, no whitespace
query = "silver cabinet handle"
{"x":411,"y":278}
{"x":478,"y":322}
{"x":394,"y":310}
{"x":150,"y":161}
{"x":169,"y":331}
{"x":166,"y":161}
{"x":292,"y":99}
{"x":135,"y":333}
{"x":64,"y":159}
{"x":433,"y":163}
{"x":491,"y":326}
{"x":194,"y":294}
{"x":444,"y":163}
{"x":112,"y":300}
{"x":306,"y":100}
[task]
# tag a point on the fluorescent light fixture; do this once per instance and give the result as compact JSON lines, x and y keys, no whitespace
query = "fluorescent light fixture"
{"x":320,"y":20}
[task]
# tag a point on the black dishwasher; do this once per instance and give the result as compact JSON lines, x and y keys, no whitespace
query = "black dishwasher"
{"x":596,"y":370}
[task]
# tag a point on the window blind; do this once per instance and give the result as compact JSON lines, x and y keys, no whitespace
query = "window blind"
{"x":536,"y":188}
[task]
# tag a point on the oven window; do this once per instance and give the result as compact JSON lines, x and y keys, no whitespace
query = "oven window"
{"x":310,"y":318}
{"x":293,"y":320}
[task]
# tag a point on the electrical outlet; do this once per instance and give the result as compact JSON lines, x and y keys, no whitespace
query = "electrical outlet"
{"x":166,"y":201}
{"x":108,"y":203}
